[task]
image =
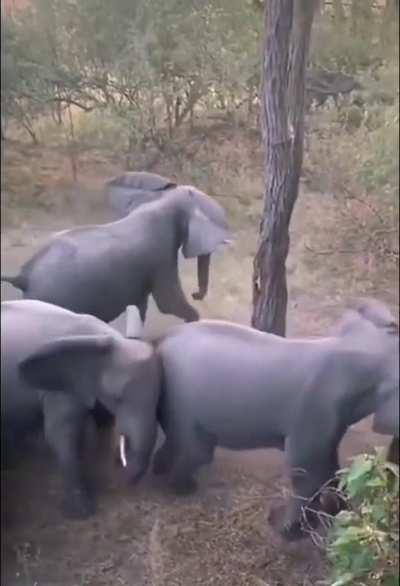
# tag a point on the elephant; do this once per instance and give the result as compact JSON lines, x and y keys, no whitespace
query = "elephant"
{"x":57,"y":367}
{"x":232,"y":386}
{"x":101,"y":269}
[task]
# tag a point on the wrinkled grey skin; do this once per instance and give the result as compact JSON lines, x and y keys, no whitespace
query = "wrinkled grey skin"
{"x":56,"y":367}
{"x":233,"y":386}
{"x":101,"y":269}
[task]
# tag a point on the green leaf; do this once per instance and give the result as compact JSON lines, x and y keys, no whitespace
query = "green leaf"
{"x":360,"y":467}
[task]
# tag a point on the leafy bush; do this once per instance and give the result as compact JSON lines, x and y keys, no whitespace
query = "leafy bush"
{"x":380,"y":167}
{"x":150,"y":63}
{"x":364,"y":541}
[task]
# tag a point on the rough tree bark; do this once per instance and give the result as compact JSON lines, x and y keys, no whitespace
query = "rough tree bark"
{"x":287,"y":36}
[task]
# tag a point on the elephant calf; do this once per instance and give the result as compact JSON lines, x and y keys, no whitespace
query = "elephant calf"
{"x":233,"y":386}
{"x":56,"y":367}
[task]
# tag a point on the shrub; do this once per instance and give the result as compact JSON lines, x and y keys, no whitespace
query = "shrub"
{"x":364,"y":541}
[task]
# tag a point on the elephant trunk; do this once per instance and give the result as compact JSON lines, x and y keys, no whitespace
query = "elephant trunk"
{"x":203,"y":272}
{"x":135,"y":449}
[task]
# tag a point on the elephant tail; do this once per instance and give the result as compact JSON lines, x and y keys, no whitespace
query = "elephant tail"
{"x":17,"y":281}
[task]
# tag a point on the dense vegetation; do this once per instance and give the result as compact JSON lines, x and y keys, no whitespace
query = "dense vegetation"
{"x":137,"y":61}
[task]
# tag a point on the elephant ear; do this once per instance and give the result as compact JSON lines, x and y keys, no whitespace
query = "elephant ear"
{"x":386,"y":418}
{"x":69,"y":364}
{"x":128,"y":191}
{"x":207,"y":225}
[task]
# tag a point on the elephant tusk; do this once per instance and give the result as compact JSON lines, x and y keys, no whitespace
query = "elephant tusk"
{"x":134,"y":324}
{"x":122,"y":450}
{"x":228,"y":241}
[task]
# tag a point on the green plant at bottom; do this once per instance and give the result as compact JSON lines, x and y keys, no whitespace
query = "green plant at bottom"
{"x":363,"y":544}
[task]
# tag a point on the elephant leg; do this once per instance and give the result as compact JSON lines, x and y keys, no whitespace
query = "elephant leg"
{"x":170,"y":298}
{"x":64,"y":422}
{"x":192,"y":452}
{"x":181,"y":478}
{"x":163,"y":459}
{"x":309,"y":473}
{"x":332,"y":501}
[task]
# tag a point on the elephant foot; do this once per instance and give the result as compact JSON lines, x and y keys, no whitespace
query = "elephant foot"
{"x":78,"y":506}
{"x":184,"y":486}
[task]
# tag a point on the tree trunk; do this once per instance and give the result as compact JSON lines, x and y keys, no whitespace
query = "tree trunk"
{"x":287,"y":37}
{"x":269,"y":277}
{"x":300,"y":45}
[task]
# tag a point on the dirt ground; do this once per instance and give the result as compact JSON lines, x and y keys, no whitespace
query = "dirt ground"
{"x":143,"y":536}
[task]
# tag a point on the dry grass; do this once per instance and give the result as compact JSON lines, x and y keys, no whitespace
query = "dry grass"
{"x":221,"y":536}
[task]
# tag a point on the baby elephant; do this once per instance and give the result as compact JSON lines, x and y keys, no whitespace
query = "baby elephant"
{"x":233,"y":386}
{"x":56,"y":368}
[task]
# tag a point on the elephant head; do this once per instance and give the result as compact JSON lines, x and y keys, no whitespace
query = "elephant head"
{"x":372,"y":320}
{"x":206,"y":228}
{"x":130,"y":190}
{"x":121,"y":374}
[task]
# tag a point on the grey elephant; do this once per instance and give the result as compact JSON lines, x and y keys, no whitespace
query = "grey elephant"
{"x":101,"y":269}
{"x":56,"y":368}
{"x":232,"y":386}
